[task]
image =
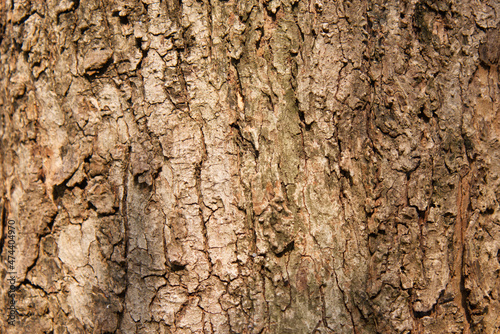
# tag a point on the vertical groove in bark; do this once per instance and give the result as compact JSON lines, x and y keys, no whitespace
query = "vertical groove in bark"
{"x":124,"y":216}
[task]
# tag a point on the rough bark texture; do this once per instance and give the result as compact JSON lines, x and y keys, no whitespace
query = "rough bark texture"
{"x":282,"y":166}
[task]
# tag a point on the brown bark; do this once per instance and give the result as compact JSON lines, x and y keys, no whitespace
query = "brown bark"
{"x":280,"y":166}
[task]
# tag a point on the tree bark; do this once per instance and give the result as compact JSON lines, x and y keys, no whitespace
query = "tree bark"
{"x":282,"y":166}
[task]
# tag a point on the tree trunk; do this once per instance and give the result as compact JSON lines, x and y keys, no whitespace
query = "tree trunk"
{"x":283,"y":166}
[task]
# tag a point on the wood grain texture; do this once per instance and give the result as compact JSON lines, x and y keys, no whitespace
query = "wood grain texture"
{"x":281,"y":166}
